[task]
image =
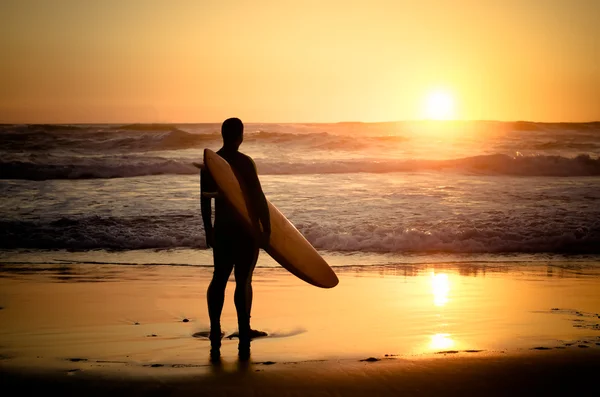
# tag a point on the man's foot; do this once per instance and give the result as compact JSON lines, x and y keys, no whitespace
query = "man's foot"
{"x":215,"y":345}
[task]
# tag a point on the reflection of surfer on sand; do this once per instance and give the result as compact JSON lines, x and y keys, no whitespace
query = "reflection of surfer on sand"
{"x":233,"y":247}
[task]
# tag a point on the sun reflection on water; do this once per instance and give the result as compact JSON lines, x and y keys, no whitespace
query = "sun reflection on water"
{"x":441,"y":341}
{"x":440,"y":286}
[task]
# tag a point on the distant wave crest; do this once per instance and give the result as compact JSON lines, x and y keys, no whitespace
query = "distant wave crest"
{"x":157,"y":137}
{"x":134,"y":137}
{"x":110,"y":139}
{"x":49,"y":167}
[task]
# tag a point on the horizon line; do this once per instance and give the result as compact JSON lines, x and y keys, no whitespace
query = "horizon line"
{"x":304,"y":122}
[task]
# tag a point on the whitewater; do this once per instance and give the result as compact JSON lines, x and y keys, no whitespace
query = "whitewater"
{"x":401,"y":190}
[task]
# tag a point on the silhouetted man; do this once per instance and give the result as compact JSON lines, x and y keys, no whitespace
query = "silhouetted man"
{"x":233,"y":246}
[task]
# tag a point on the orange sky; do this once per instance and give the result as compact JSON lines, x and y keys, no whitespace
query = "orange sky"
{"x":69,"y":61}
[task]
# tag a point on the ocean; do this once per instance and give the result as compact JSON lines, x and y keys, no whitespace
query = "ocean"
{"x":364,"y":194}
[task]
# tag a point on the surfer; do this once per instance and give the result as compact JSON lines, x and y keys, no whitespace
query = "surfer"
{"x":233,"y":247}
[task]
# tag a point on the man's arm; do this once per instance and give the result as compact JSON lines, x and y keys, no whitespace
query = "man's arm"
{"x":207,"y":191}
{"x":259,"y":202}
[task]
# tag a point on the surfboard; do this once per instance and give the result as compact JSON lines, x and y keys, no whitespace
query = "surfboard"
{"x":287,"y":245}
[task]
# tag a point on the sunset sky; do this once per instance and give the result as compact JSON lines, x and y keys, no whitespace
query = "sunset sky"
{"x":70,"y":61}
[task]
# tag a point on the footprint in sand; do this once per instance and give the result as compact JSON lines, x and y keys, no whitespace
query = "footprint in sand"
{"x":253,"y":334}
{"x":205,"y":334}
{"x":371,"y":359}
{"x":584,"y":320}
{"x":266,"y":362}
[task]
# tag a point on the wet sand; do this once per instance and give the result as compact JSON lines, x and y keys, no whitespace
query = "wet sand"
{"x":494,"y":329}
{"x":534,"y":373}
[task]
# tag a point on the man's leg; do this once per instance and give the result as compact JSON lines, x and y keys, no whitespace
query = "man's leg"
{"x":244,"y":266}
{"x":215,"y":296}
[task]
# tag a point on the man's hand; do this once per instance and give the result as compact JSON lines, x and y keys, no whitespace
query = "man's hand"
{"x":210,"y":237}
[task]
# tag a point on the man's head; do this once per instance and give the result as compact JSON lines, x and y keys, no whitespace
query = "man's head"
{"x":232,"y":131}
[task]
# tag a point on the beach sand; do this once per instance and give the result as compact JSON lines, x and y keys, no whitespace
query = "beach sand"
{"x":531,"y":374}
{"x":444,"y":329}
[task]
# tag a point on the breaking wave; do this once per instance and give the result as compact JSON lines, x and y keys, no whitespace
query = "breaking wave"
{"x":45,"y":167}
{"x":180,"y":231}
{"x":92,"y":168}
{"x":160,"y":137}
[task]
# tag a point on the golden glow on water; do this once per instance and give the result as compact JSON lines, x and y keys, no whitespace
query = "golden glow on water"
{"x":441,"y":342}
{"x":440,"y":287}
{"x":372,"y":312}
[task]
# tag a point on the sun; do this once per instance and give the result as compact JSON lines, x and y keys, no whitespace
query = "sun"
{"x":439,"y":105}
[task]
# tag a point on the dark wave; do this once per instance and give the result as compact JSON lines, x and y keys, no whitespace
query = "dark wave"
{"x":539,"y":126}
{"x":496,"y":164}
{"x":45,"y":168}
{"x":44,"y":127}
{"x":94,"y":168}
{"x":185,"y":231}
{"x":145,"y":138}
{"x":108,"y":233}
{"x":99,"y":140}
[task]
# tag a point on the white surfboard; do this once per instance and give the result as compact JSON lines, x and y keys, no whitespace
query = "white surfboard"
{"x":287,"y":245}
